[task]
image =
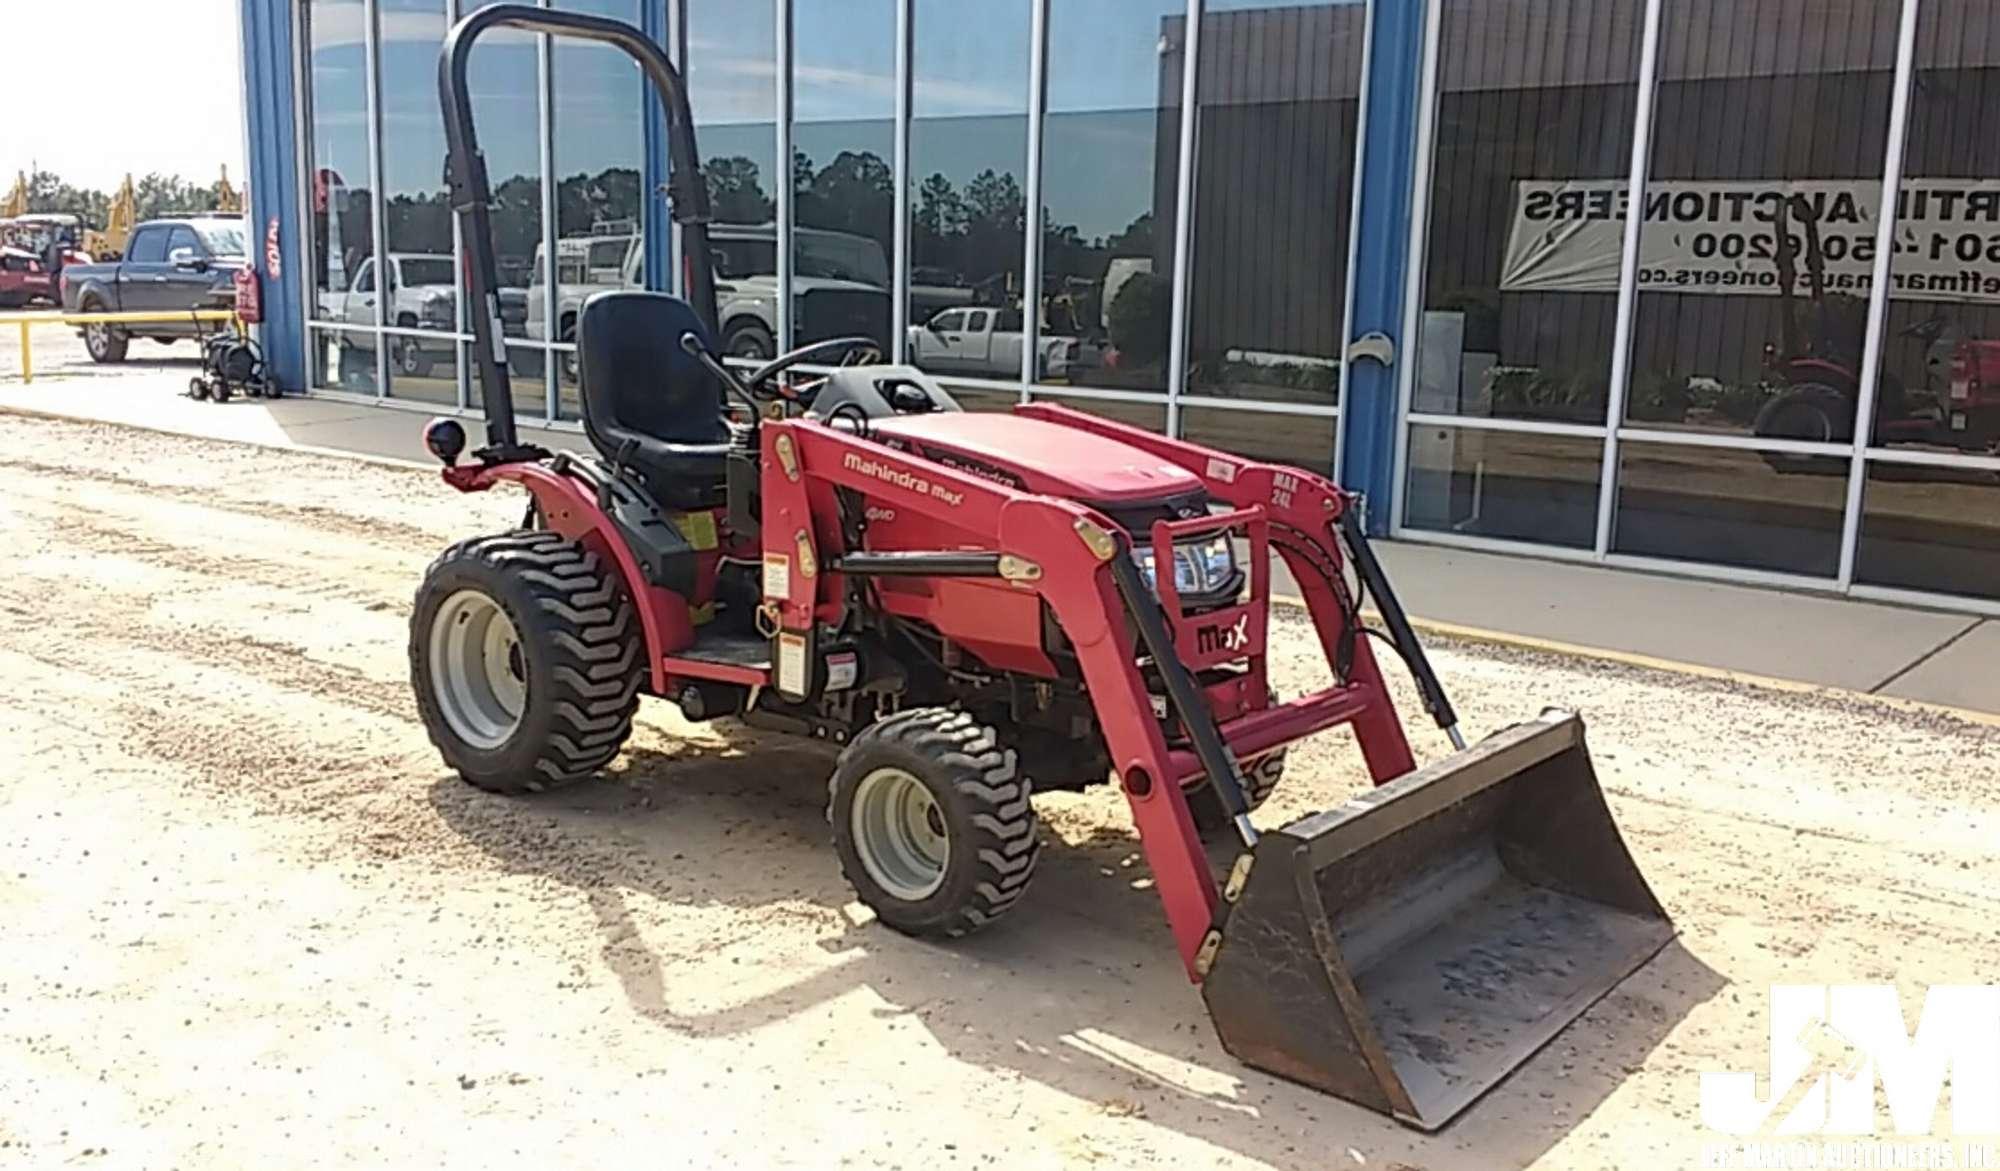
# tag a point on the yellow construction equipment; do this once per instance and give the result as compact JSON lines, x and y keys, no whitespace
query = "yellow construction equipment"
{"x":123,"y":216}
{"x":17,"y":199}
{"x":226,"y":198}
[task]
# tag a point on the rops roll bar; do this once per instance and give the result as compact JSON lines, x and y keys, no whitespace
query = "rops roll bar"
{"x":472,"y":193}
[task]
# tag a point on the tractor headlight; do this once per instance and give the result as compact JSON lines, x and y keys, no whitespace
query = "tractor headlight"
{"x":1202,"y":565}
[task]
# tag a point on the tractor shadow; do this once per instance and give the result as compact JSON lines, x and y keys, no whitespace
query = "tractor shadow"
{"x":1079,"y":988}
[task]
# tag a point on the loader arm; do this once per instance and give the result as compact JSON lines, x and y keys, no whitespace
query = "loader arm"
{"x":1077,"y":561}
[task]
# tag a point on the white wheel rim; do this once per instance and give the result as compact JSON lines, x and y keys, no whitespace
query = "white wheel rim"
{"x":478,"y":671}
{"x":899,"y":832}
{"x":97,"y":336}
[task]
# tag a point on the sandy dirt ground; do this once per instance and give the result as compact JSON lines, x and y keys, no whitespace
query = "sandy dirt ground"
{"x":250,"y":922}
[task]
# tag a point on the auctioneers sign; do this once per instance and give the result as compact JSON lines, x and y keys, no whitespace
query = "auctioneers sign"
{"x":1721,"y":237}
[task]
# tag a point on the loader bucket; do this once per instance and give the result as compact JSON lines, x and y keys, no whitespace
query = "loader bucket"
{"x":1408,"y":950}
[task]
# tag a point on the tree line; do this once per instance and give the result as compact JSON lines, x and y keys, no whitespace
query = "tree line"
{"x":965,"y":235}
{"x":155,"y":195}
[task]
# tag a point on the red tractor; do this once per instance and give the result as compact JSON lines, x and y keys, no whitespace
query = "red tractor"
{"x":977,"y":606}
{"x":23,"y":280}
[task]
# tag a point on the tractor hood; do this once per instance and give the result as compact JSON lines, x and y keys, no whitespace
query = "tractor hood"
{"x":1037,"y":456}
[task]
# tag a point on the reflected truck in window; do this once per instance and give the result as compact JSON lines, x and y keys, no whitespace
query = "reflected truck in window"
{"x":840,"y":284}
{"x":422,"y":295}
{"x":986,"y":342}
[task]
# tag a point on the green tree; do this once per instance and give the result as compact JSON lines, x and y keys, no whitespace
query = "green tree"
{"x":938,"y":223}
{"x":736,"y":191}
{"x":853,"y":193}
{"x":1139,"y":318}
{"x":162,"y":195}
{"x":48,"y":193}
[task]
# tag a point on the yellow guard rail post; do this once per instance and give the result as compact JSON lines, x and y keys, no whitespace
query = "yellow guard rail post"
{"x":27,"y":320}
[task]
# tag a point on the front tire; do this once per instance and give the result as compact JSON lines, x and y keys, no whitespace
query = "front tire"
{"x":932,"y":822}
{"x":526,"y":656}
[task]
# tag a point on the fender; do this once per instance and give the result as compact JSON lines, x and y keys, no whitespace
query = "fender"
{"x":1819,"y":370}
{"x":569,"y":507}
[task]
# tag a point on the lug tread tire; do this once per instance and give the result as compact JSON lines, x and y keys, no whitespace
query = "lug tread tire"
{"x":582,"y":646}
{"x":984,"y":799}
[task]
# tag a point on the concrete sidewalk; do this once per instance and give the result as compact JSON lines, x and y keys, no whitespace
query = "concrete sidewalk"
{"x":1914,"y":654}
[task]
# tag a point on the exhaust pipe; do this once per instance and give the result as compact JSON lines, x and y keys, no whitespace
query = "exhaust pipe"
{"x":1411,"y":948}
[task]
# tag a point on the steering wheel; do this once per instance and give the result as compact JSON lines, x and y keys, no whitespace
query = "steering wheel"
{"x":853,"y":351}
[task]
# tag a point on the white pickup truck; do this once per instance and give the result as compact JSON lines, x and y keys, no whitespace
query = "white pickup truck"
{"x":840,"y":284}
{"x":423,"y":294}
{"x":985,"y":342}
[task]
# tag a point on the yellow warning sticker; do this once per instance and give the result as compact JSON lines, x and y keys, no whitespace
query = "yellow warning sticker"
{"x":777,"y":577}
{"x":792,"y":674}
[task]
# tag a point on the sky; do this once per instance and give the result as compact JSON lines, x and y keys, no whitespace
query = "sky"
{"x":163,"y":90}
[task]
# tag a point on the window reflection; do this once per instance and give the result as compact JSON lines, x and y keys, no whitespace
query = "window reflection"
{"x":1532,"y":112}
{"x":416,"y":286}
{"x":342,"y":360}
{"x":1278,"y":98}
{"x":1940,"y":377}
{"x":1504,"y":484}
{"x":968,"y":158}
{"x":1730,"y":507}
{"x":343,"y":239}
{"x":1304,"y":441}
{"x":843,"y":193}
{"x":1759,"y":222}
{"x":599,"y":156}
{"x":732,"y":86}
{"x":1109,"y":146}
{"x":505,"y":79}
{"x":1935,"y":529}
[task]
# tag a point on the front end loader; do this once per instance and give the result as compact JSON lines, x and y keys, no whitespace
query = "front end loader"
{"x":973,"y":607}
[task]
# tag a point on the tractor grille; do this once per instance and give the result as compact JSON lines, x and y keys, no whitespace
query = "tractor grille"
{"x":831,"y":313}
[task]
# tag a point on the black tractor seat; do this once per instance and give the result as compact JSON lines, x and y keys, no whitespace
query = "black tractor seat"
{"x":646,"y":402}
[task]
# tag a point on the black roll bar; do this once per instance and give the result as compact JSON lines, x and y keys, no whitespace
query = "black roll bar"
{"x":472,"y":193}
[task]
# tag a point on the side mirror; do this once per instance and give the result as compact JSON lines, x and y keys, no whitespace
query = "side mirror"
{"x":186,"y":260}
{"x":933,"y":327}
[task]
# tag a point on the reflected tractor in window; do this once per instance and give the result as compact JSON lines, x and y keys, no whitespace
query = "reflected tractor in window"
{"x":974,"y":607}
{"x":1814,"y":371}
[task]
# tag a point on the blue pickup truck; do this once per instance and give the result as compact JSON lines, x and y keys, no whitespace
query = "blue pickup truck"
{"x":170,"y":265}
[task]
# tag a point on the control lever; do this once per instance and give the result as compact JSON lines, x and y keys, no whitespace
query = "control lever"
{"x":691,"y":344}
{"x":625,"y":451}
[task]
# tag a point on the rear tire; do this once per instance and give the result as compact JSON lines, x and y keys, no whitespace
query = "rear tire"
{"x":750,"y":341}
{"x":526,"y":656}
{"x":104,"y":342}
{"x":932,"y":822}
